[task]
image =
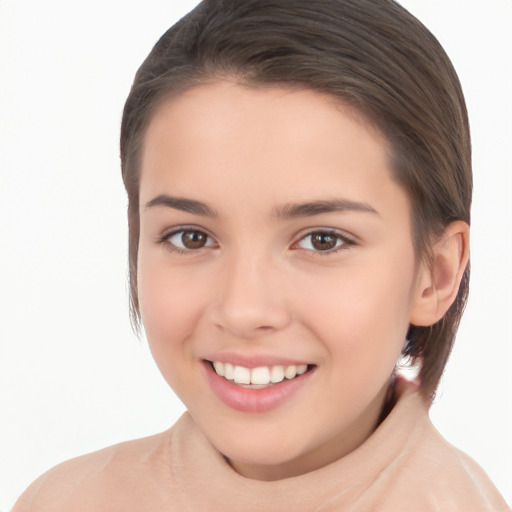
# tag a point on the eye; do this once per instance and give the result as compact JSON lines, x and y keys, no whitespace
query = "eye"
{"x":323,"y":241}
{"x":187,"y":240}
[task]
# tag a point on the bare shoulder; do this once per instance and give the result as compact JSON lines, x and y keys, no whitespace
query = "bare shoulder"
{"x":99,"y":480}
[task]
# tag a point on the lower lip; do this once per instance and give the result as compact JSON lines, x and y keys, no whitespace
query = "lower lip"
{"x":254,"y":400}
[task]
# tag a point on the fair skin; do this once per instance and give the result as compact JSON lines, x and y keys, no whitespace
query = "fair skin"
{"x":293,"y":247}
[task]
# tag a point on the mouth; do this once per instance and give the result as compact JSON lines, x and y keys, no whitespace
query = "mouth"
{"x":261,"y":377}
{"x":258,"y":383}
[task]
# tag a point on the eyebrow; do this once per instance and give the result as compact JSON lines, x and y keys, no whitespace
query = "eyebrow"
{"x":285,"y":212}
{"x":182,"y":204}
{"x":310,"y":209}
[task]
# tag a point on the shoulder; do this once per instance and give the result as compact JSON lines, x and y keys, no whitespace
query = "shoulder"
{"x":426,"y":472}
{"x":101,"y":479}
{"x":453,"y":471}
{"x":437,"y":474}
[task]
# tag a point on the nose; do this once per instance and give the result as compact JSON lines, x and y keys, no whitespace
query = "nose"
{"x":251,"y":300}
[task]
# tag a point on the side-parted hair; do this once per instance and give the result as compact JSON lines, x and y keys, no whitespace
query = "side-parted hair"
{"x":372,"y":55}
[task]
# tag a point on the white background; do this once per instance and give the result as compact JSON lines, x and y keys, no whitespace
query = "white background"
{"x":73,"y":378}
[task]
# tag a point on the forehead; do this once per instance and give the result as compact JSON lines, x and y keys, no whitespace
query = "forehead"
{"x":276,"y":143}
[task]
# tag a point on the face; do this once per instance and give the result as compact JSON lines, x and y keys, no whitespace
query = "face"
{"x":276,"y":271}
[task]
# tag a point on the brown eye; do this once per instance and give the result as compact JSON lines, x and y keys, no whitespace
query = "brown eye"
{"x":188,"y":240}
{"x":322,"y":241}
{"x":193,"y":239}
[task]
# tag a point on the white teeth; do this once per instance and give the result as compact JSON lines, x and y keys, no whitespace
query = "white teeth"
{"x":290,"y":372}
{"x":260,"y":376}
{"x":302,"y":368}
{"x":242,"y":375}
{"x":277,"y":374}
{"x":219,"y":368}
{"x":228,"y":371}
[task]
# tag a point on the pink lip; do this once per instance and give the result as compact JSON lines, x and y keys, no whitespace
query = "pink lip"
{"x":252,"y":361}
{"x":253,"y":400}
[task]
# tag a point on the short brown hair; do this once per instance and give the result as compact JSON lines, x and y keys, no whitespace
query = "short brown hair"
{"x":371,"y":54}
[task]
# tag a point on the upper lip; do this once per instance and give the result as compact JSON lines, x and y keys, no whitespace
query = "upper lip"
{"x":253,"y":360}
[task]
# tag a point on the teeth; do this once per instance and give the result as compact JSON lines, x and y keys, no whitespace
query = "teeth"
{"x":290,"y":372}
{"x":242,"y":375}
{"x":261,"y":376}
{"x":276,"y":374}
{"x":219,"y":368}
{"x":302,"y":368}
{"x":228,"y":371}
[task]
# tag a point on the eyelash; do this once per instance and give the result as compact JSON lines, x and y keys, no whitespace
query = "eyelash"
{"x":165,"y":240}
{"x":346,"y":242}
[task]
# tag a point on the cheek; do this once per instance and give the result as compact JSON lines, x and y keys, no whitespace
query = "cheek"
{"x":170,"y":308}
{"x":362,"y":312}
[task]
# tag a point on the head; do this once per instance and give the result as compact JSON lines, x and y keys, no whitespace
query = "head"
{"x":255,"y":117}
{"x":373,"y":57}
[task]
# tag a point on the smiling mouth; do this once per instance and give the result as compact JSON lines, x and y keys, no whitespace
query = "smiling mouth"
{"x":260,"y":377}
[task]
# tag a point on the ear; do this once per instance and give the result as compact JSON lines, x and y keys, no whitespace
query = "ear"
{"x":439,"y":280}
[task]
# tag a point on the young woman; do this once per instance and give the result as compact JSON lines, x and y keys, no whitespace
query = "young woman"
{"x":299,"y":184}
